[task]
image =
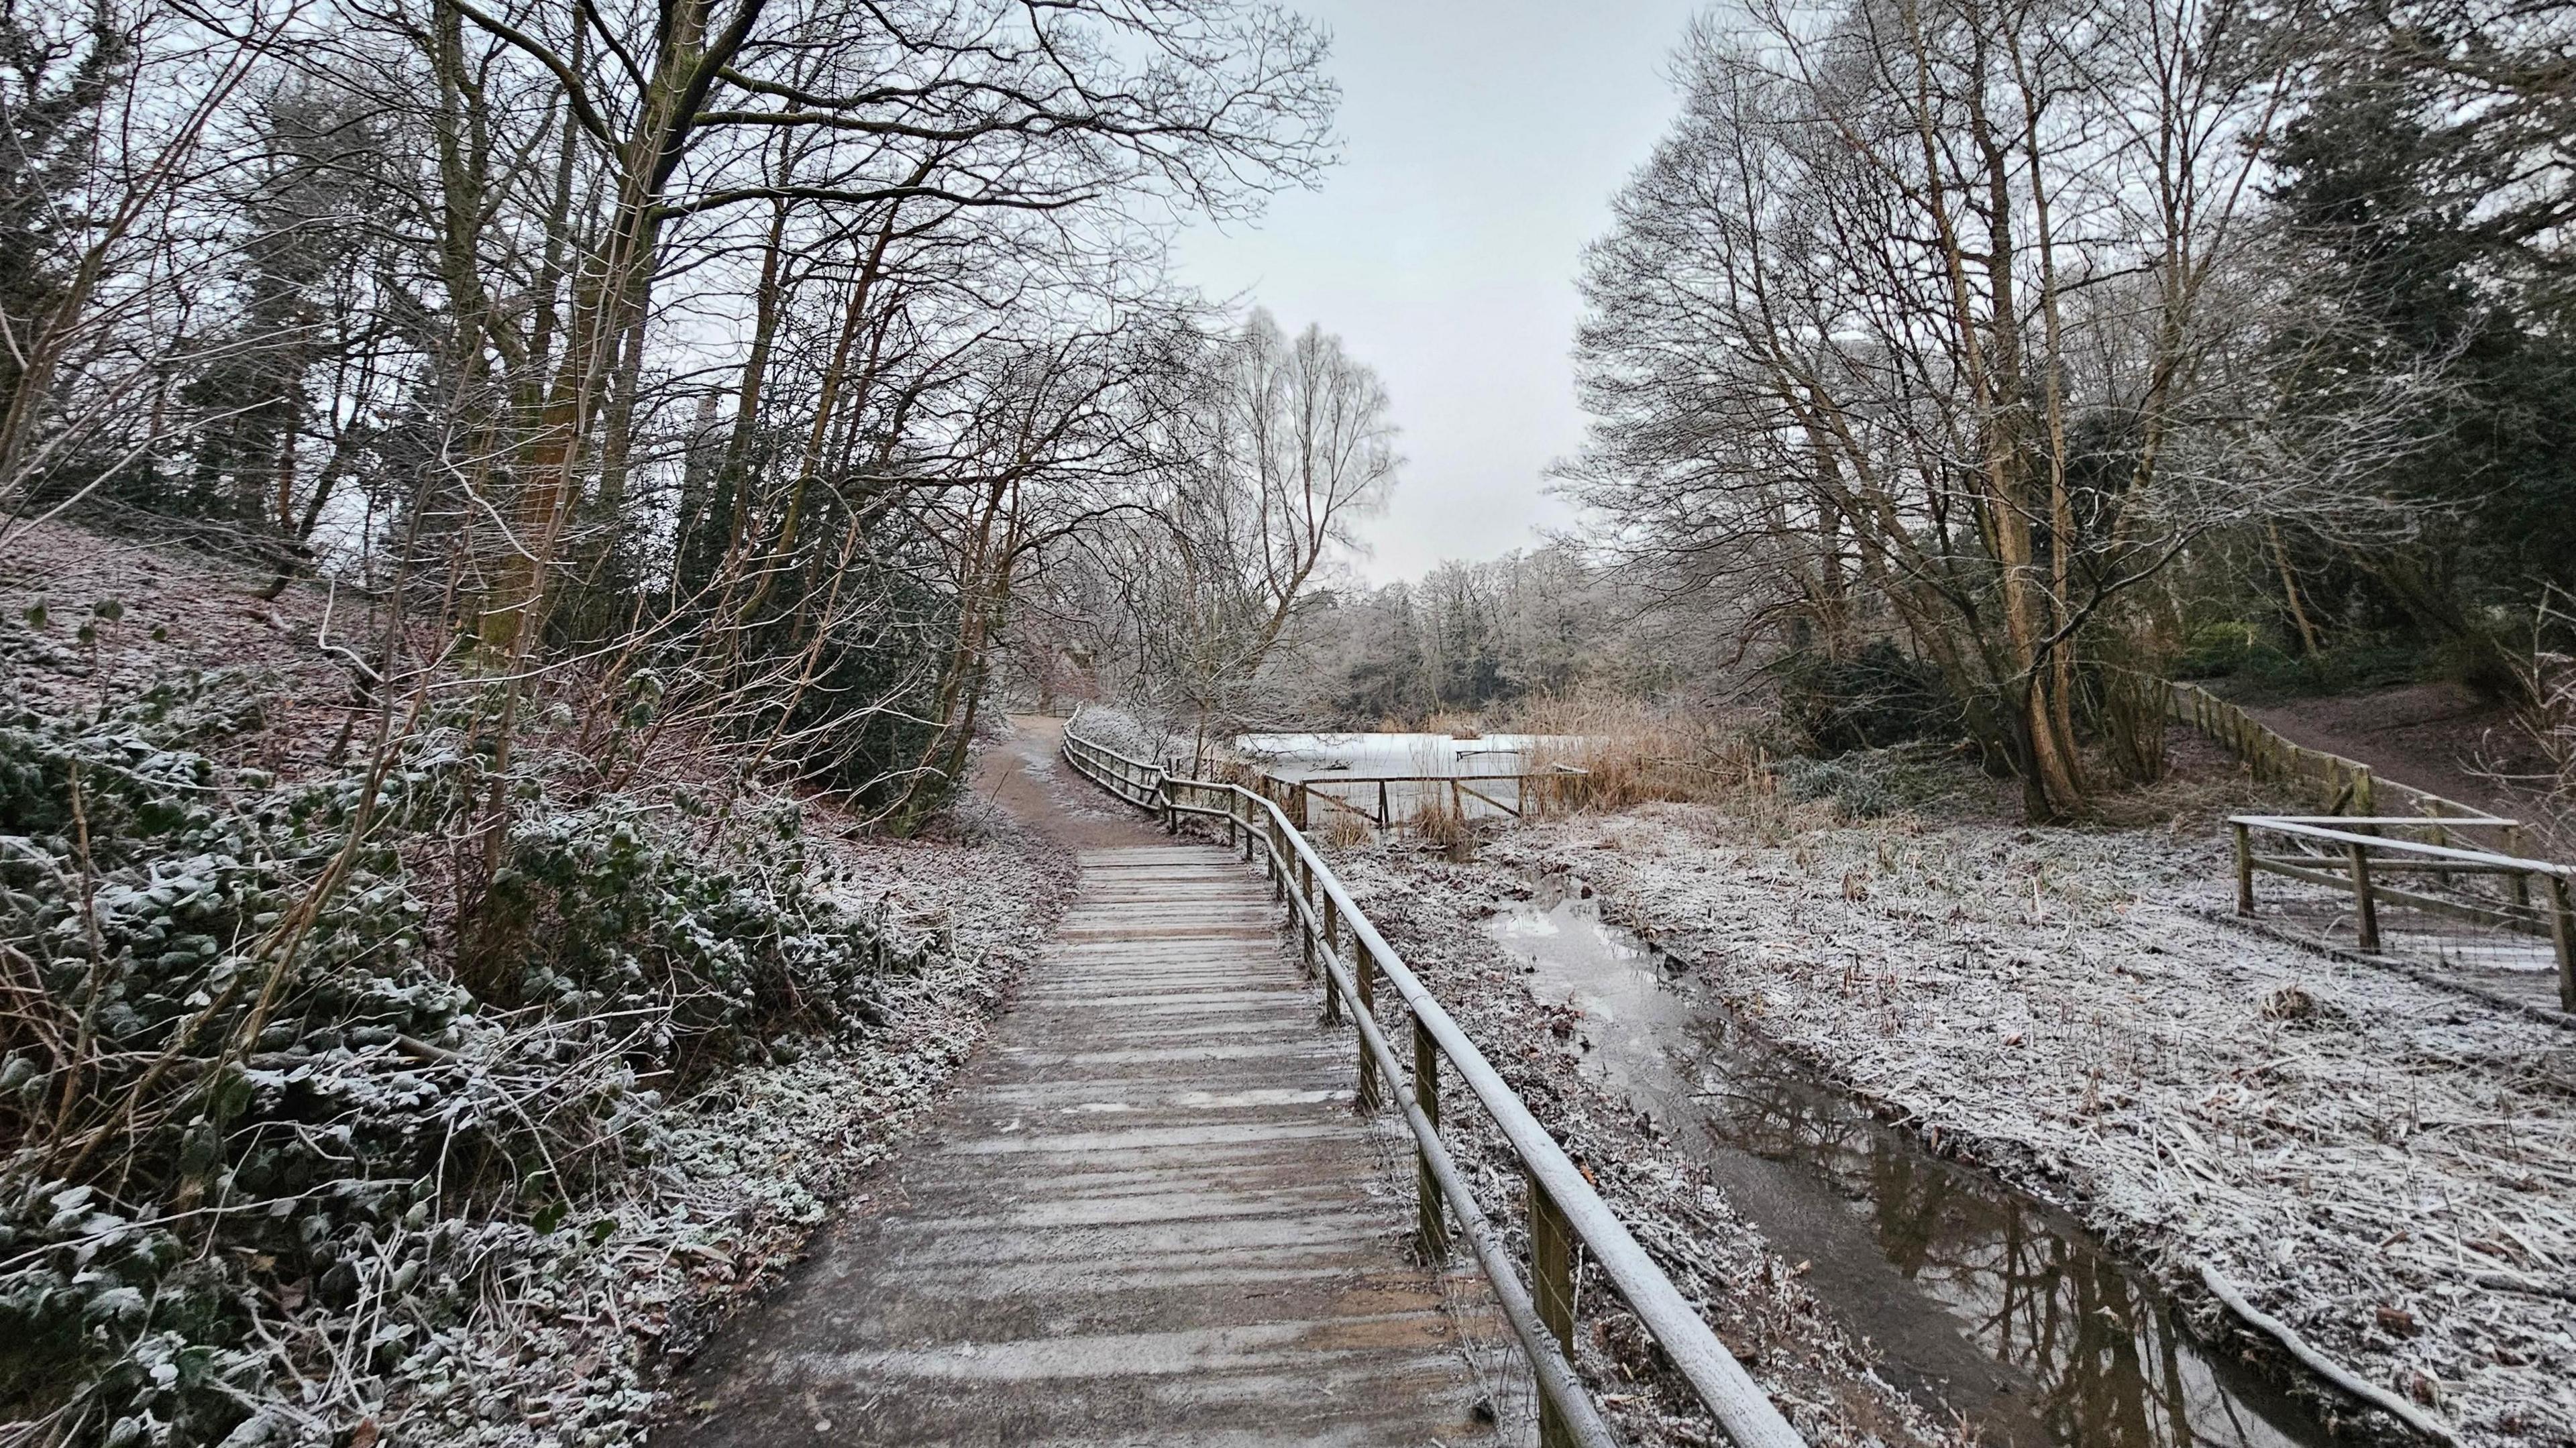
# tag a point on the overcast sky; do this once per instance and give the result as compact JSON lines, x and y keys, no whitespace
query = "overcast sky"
{"x":1482,"y":140}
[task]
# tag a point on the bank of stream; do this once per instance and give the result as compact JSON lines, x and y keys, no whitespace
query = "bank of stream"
{"x":1982,"y":1300}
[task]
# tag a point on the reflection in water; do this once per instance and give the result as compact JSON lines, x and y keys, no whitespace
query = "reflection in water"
{"x":1976,"y":1296}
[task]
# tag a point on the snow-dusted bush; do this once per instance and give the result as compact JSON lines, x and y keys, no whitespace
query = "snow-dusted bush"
{"x":1118,"y":729}
{"x":606,"y":911}
{"x":255,"y":1129}
{"x":1868,"y":783}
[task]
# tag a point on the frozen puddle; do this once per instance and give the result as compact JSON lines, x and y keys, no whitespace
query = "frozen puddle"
{"x":1979,"y":1298}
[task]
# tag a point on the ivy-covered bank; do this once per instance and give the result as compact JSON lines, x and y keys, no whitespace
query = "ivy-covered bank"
{"x":382,"y":1100}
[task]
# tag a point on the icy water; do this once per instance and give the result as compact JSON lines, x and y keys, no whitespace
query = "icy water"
{"x":1980,"y":1299}
{"x":1346,"y":767}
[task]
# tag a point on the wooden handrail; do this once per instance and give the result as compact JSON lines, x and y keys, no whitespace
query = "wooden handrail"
{"x":2348,"y":857}
{"x":2329,"y":828}
{"x":1559,"y":1194}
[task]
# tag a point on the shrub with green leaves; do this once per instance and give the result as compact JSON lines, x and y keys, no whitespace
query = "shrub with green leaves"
{"x":602,"y":912}
{"x":258,"y":1132}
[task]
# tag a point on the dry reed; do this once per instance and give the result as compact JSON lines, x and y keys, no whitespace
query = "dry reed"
{"x":1627,"y":753}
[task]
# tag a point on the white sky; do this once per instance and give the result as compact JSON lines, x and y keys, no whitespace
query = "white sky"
{"x":1482,"y":140}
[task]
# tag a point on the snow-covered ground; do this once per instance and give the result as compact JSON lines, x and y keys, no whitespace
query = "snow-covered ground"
{"x":587,"y":1322}
{"x":1821,"y":1377}
{"x":2387,"y":1167}
{"x":561,"y":1335}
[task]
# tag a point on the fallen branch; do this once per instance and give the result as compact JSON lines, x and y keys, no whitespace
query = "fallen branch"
{"x":369,"y":681}
{"x":2323,"y":1366}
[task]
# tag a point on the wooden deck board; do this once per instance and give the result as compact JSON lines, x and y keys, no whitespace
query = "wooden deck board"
{"x":1146,"y":1215}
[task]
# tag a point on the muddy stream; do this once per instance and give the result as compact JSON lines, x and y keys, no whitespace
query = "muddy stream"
{"x":1981,"y":1300}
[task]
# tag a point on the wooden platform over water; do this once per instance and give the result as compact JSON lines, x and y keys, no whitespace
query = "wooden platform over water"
{"x":1148,"y":1214}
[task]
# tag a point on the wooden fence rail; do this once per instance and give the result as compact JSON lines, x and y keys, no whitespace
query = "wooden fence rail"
{"x":2357,"y":854}
{"x":2344,"y":786}
{"x":1298,"y":796}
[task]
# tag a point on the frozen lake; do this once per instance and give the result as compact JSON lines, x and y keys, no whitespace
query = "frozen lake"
{"x":1347,"y":768}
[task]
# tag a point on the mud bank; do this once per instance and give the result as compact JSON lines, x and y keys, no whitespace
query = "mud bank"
{"x":1822,"y":1376}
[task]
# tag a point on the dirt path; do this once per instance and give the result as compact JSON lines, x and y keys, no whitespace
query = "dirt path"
{"x":1146,"y":1214}
{"x":2438,"y":737}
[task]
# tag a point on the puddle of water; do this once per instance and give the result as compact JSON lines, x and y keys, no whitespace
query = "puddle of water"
{"x":1978,"y":1298}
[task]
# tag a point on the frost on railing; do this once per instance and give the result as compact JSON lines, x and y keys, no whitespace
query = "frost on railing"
{"x":2448,"y":892}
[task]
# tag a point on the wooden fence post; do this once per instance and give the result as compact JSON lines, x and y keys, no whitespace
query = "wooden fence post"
{"x":1305,"y":930}
{"x":2365,"y":908}
{"x":2562,"y":933}
{"x":1332,"y":943}
{"x":1426,"y":1094}
{"x":1364,"y":979}
{"x":2244,"y":869}
{"x":1552,"y":1287}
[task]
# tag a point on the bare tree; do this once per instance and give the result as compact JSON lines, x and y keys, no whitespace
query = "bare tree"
{"x":1932,"y":319}
{"x":1278,"y":447}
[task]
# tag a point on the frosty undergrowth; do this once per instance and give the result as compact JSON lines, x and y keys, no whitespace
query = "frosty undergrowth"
{"x":2382,"y":1164}
{"x":283,"y":1129}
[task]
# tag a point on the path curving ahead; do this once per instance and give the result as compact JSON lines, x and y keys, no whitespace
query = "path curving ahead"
{"x":1143,"y":1216}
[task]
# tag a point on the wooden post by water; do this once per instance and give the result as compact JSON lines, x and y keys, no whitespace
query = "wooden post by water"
{"x":1552,"y":1288}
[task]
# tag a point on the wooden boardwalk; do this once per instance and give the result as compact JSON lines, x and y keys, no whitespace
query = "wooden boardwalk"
{"x":1148,"y":1214}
